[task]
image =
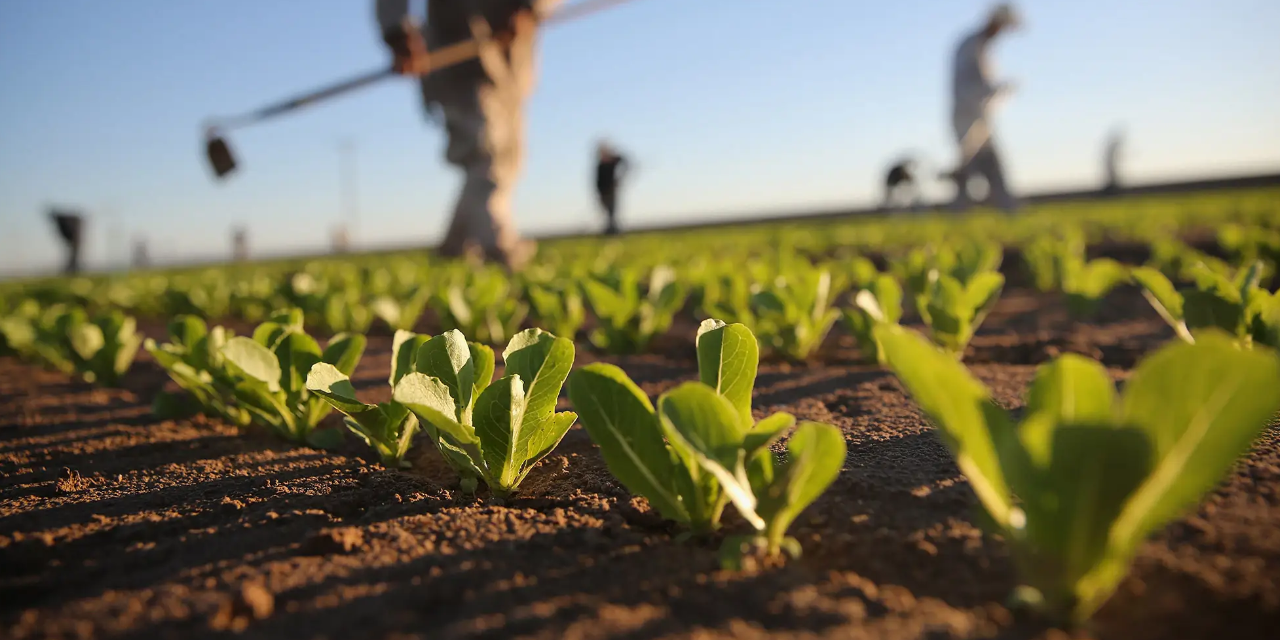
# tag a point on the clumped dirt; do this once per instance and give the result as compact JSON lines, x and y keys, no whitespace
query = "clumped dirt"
{"x":115,"y":524}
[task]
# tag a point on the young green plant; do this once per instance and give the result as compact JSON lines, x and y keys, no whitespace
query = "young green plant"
{"x":387,"y":427}
{"x":701,"y":449}
{"x":1238,"y":307}
{"x":953,"y":310}
{"x":270,"y":372}
{"x":1086,"y":476}
{"x":880,"y":302}
{"x":492,"y":432}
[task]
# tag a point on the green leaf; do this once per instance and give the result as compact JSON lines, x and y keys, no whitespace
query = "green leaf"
{"x":432,"y":400}
{"x":1215,"y":308}
{"x":498,"y":419}
{"x":86,"y":339}
{"x":483,"y":358}
{"x":404,"y":353}
{"x":728,"y":356}
{"x":972,"y":426}
{"x":187,"y":330}
{"x":266,"y":405}
{"x":1070,"y":390}
{"x":540,"y":439}
{"x":755,"y":447}
{"x":704,"y":425}
{"x":1201,"y":405}
{"x":334,"y":386}
{"x":544,"y":361}
{"x":1076,"y":498}
{"x":815,"y":454}
{"x":1164,"y":298}
{"x":343,"y":351}
{"x":621,"y":421}
{"x":447,"y":358}
{"x":249,"y":358}
{"x":297,"y":353}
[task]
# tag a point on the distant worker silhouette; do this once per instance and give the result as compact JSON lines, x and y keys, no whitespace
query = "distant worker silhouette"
{"x":974,"y":97}
{"x":70,"y":226}
{"x":611,"y":168}
{"x":1111,"y":162}
{"x":900,"y":188}
{"x":482,"y":104}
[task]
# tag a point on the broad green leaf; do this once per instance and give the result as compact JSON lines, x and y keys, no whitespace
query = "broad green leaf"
{"x":888,"y":295}
{"x":251,"y":359}
{"x":498,"y":419}
{"x":1070,"y":390}
{"x":541,"y":438}
{"x":969,"y":422}
{"x":334,"y":386}
{"x":447,"y":358}
{"x":982,"y":292}
{"x":1160,"y":292}
{"x":621,"y":421}
{"x":543,"y":361}
{"x":343,"y":351}
{"x":432,"y":401}
{"x":264,"y":404}
{"x":727,"y":359}
{"x":268,"y":334}
{"x":704,"y":426}
{"x":86,"y":339}
{"x":815,"y":454}
{"x":187,"y":330}
{"x":483,"y":360}
{"x":1213,"y":308}
{"x":297,"y":353}
{"x":1201,"y":405}
{"x":404,"y":353}
{"x":1076,"y":498}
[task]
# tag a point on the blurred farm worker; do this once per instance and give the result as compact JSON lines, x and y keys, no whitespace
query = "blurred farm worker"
{"x":1111,"y":162}
{"x":900,"y":189}
{"x":70,"y":226}
{"x":975,"y":92}
{"x":611,"y":167}
{"x":481,"y":102}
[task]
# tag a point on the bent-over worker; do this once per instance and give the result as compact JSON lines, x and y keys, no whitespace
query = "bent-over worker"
{"x":611,"y":167}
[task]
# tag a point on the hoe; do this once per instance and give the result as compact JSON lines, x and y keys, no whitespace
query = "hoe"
{"x":223,"y":160}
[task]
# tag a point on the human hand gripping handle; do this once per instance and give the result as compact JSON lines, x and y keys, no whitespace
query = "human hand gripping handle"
{"x":408,"y":48}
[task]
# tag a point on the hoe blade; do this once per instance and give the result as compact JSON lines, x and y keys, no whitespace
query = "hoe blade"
{"x":220,"y":157}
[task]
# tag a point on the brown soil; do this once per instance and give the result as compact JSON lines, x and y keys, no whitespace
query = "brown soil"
{"x":115,"y":524}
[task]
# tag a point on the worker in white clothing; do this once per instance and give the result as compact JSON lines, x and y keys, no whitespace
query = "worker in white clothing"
{"x":482,"y":105}
{"x":975,"y":94}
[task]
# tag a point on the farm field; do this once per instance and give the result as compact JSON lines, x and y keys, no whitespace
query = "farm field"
{"x":121,"y":516}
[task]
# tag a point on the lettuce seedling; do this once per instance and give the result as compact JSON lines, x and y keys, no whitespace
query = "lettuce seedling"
{"x":627,"y":318}
{"x":1238,"y":307}
{"x":270,"y":371}
{"x":1087,"y":283}
{"x":881,"y":301}
{"x":701,"y":448}
{"x":1085,"y":477}
{"x":559,"y":309}
{"x":401,"y":313}
{"x":953,"y":311}
{"x":793,"y":314}
{"x":103,"y":347}
{"x":493,"y":432}
{"x":194,"y":361}
{"x":387,"y":427}
{"x":481,"y":304}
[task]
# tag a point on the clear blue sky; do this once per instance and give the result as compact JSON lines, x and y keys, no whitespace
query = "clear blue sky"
{"x":727,"y":106}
